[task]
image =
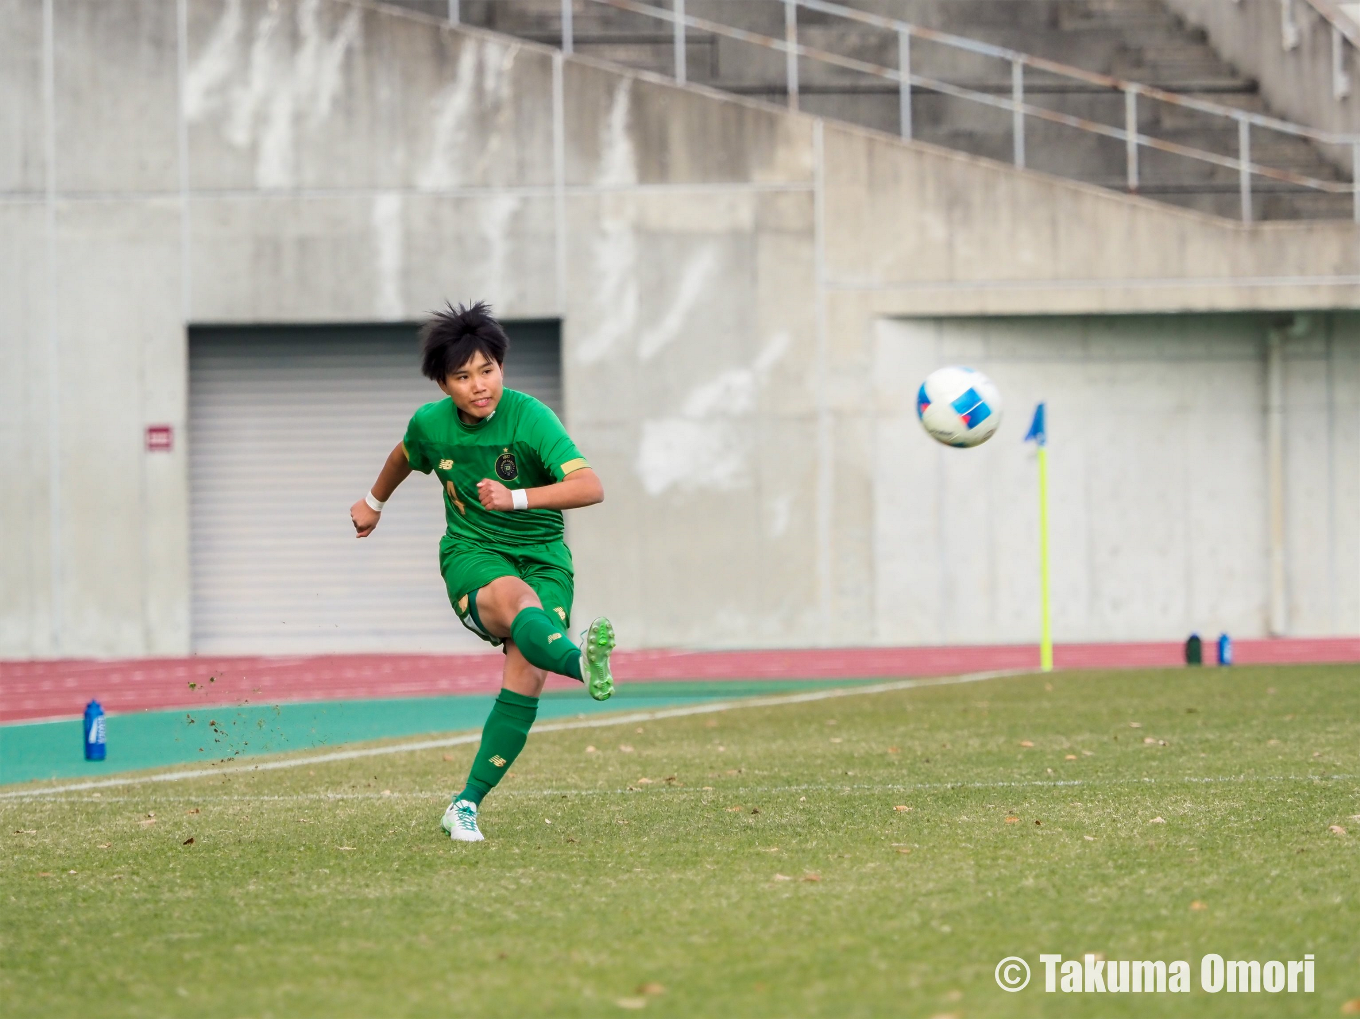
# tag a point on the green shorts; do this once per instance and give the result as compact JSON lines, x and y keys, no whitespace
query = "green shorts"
{"x":467,"y":568}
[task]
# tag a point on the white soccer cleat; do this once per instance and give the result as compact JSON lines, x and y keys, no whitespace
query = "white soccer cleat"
{"x":460,"y":821}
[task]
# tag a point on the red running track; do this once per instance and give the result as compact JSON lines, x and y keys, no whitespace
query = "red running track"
{"x":60,"y":688}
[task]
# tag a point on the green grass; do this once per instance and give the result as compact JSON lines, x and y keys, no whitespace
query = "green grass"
{"x":326,"y":889}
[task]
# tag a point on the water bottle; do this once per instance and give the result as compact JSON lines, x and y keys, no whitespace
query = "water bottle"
{"x":95,"y":747}
{"x":1194,"y":650}
{"x":1224,"y":649}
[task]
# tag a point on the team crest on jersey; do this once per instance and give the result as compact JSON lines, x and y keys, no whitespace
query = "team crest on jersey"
{"x":506,"y":468}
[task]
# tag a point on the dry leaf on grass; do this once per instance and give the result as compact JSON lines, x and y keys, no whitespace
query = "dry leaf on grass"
{"x":1198,"y":906}
{"x":1026,"y":743}
{"x":1089,"y":838}
{"x":1149,"y":739}
{"x":189,"y":841}
{"x":448,"y":757}
{"x":1351,"y":1007}
{"x":644,"y":781}
{"x":836,"y":739}
{"x":1070,"y":757}
{"x":1135,"y":725}
{"x":105,"y":845}
{"x":651,"y":987}
{"x":631,"y":1002}
{"x":344,"y":847}
{"x":735,"y":810}
{"x":1012,"y":820}
{"x":1336,"y":829}
{"x":624,"y":748}
{"x":901,"y":808}
{"x":782,"y":877}
{"x":812,"y":877}
{"x":546,"y":821}
{"x":591,"y":750}
{"x":194,"y":811}
{"x":25,"y":831}
{"x":1158,"y":820}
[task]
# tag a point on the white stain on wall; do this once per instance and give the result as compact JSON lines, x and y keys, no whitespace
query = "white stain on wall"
{"x":262,"y":101}
{"x":618,"y":158}
{"x":389,"y":243}
{"x":452,"y":161}
{"x":615,"y":284}
{"x":213,"y":67}
{"x":693,"y":278}
{"x":708,"y":444}
{"x":494,"y":216}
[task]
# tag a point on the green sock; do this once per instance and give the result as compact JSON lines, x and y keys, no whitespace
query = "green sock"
{"x":544,"y":644}
{"x":503,"y":736}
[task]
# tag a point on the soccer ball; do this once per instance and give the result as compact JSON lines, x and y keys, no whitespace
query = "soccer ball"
{"x":959,"y":406}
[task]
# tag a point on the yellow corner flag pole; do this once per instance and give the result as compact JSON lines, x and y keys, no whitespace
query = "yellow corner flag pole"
{"x":1039,"y":434}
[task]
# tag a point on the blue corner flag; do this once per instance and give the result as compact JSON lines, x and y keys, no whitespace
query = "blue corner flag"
{"x":1036,"y":428}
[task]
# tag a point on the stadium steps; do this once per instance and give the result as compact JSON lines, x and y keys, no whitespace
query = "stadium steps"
{"x":1140,"y":40}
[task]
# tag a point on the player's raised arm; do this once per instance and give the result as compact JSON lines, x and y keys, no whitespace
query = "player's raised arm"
{"x":366,"y":512}
{"x":581,"y":487}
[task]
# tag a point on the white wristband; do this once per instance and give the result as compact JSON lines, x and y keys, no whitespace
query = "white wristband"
{"x":519,"y":498}
{"x":373,"y":503}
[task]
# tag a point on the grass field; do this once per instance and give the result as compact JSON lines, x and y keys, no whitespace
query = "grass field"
{"x":752,"y":862}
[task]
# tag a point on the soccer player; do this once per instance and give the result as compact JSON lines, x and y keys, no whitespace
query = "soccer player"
{"x":508,"y":469}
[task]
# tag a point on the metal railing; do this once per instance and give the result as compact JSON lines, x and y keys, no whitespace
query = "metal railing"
{"x":908,"y":80}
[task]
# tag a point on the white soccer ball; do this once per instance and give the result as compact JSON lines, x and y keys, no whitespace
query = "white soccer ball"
{"x":959,"y":406}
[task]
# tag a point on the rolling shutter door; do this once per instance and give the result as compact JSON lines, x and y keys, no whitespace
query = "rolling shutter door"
{"x":288,"y":426}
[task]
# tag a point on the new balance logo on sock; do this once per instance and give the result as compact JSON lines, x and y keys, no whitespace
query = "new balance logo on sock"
{"x":498,"y":761}
{"x":553,"y":636}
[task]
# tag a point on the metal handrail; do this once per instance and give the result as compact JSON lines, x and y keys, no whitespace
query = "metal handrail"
{"x":1016,"y":104}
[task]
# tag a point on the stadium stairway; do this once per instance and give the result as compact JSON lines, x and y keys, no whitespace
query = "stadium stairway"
{"x":1137,"y":40}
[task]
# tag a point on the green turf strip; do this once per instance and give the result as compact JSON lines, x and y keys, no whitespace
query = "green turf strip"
{"x":750,"y":863}
{"x":155,"y":739}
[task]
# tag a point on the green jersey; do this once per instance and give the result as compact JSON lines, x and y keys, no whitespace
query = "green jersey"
{"x":522,"y":445}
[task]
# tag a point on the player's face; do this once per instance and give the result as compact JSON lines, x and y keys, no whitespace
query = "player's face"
{"x":476,"y":387}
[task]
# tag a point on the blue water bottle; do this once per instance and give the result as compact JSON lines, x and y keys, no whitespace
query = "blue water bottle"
{"x":1224,"y":649}
{"x":95,"y":747}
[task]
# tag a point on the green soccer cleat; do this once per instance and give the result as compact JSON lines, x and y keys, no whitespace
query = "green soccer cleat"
{"x":460,"y":821}
{"x":596,"y":645}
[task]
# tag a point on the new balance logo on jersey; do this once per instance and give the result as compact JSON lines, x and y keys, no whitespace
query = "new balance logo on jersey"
{"x":445,"y":465}
{"x":553,"y":637}
{"x":498,"y":761}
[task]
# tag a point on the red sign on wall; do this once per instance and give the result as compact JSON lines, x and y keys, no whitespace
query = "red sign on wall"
{"x":160,"y":438}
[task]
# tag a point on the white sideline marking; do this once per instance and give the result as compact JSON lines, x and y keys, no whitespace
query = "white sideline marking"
{"x":830,"y":787}
{"x":630,"y":718}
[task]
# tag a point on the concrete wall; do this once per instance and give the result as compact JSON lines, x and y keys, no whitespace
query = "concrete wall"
{"x":1157,"y":480}
{"x":721,"y":269}
{"x":1297,"y":81}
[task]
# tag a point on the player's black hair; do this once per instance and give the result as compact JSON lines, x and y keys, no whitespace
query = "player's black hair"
{"x":453,"y":336}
